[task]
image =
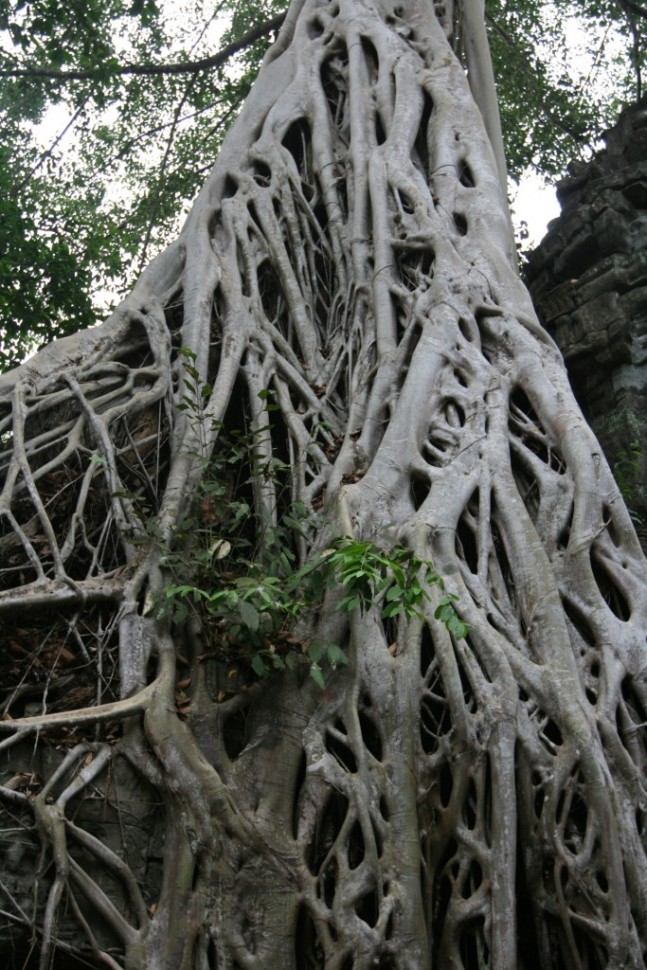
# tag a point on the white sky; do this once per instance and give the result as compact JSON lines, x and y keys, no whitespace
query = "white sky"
{"x":534,"y":201}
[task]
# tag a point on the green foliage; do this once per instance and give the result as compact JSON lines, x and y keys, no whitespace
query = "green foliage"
{"x":83,"y":212}
{"x":44,"y":285}
{"x":627,"y":470}
{"x":446,"y":613}
{"x":240,"y":574}
{"x":254,"y":610}
{"x":396,"y":581}
{"x":556,"y":100}
{"x":75,"y":32}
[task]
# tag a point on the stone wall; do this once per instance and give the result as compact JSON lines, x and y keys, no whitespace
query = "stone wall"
{"x":588,"y":278}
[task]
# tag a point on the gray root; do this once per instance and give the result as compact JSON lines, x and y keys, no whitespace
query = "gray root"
{"x":442,"y":799}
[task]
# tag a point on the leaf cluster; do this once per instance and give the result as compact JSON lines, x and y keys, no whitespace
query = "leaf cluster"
{"x":255,"y":609}
{"x":87,"y":200}
{"x":627,"y":470}
{"x":556,"y":101}
{"x":241,"y":574}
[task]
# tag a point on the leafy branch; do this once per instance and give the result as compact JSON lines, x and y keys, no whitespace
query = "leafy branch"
{"x":632,"y":7}
{"x":254,"y":612}
{"x":113,"y":69}
{"x":627,"y":472}
{"x":244,"y":582}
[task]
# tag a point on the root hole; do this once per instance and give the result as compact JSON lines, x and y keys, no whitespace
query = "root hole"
{"x":609,"y":589}
{"x":470,"y":806}
{"x":328,"y":883}
{"x":473,"y":949}
{"x":298,"y":788}
{"x":370,"y":735}
{"x":308,"y":952}
{"x":422,"y":138}
{"x":315,"y":28}
{"x":420,"y":489}
{"x":445,"y":784}
{"x":550,"y":733}
{"x":234,"y":734}
{"x":341,"y":752}
{"x":466,"y":548}
{"x":579,"y":622}
{"x":367,"y":908}
{"x":356,"y":847}
{"x":427,"y":651}
{"x":329,"y":827}
{"x":465,"y":175}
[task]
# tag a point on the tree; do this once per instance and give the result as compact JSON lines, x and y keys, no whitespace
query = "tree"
{"x":134,"y":137}
{"x":142,"y":102}
{"x":333,"y":378}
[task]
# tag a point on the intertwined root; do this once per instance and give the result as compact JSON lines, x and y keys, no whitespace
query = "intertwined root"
{"x":441,"y":799}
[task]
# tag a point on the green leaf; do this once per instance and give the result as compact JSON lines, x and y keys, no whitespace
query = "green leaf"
{"x":314,"y":651}
{"x":335,"y":655}
{"x":349,"y":603}
{"x":259,"y":666}
{"x":395,"y":609}
{"x":447,"y":615}
{"x":317,"y":676}
{"x":277,"y":662}
{"x":249,"y":615}
{"x":456,"y":626}
{"x":181,"y":612}
{"x":222,"y":597}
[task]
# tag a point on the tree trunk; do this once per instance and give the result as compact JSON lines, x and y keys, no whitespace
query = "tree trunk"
{"x":444,"y":801}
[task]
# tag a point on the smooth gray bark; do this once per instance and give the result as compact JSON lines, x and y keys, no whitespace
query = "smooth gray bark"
{"x":444,"y":802}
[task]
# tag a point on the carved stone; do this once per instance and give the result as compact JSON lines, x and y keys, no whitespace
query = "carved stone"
{"x":588,"y":279}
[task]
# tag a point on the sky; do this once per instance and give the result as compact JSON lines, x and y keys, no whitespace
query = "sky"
{"x":534,"y":202}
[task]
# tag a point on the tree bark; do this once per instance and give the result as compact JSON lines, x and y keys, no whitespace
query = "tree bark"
{"x":445,"y":802}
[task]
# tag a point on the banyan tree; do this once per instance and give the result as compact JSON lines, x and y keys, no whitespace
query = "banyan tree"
{"x":209,"y":757}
